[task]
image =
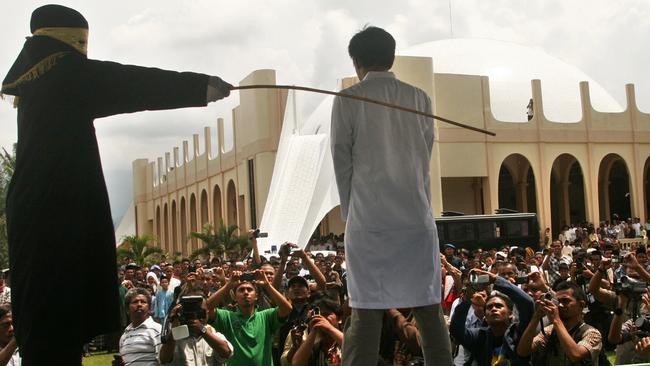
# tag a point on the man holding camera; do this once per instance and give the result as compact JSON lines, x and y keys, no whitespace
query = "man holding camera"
{"x":204,"y":346}
{"x":568,"y":340}
{"x":611,"y":302}
{"x":318,"y":340}
{"x":494,"y":344}
{"x":250,"y":331}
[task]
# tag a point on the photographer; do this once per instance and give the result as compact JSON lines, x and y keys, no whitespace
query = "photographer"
{"x":568,"y":340}
{"x":623,"y":333}
{"x":250,"y":331}
{"x":608,"y":298}
{"x":204,"y":347}
{"x":317,"y":343}
{"x":286,"y":252}
{"x":496,"y":342}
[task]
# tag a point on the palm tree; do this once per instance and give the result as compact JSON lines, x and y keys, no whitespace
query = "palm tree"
{"x":137,"y":248}
{"x":220,"y":242}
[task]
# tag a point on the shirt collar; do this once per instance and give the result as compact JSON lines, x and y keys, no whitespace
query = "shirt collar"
{"x":146,"y":323}
{"x":379,"y":74}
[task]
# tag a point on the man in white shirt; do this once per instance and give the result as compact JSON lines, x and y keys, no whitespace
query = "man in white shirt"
{"x":381,"y":161}
{"x":140,"y":342}
{"x":204,"y":346}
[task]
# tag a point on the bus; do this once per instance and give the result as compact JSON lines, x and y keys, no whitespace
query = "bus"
{"x":489,"y":231}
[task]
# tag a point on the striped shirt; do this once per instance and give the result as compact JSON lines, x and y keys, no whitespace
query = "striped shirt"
{"x":139,"y":346}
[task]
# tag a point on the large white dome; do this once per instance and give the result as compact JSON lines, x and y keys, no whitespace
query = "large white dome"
{"x":511,"y":67}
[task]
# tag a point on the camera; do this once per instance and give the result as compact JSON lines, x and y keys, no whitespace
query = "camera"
{"x":247,"y":277}
{"x":288,"y":249}
{"x":632,"y":288}
{"x":315,"y":311}
{"x":549,"y":297}
{"x":479,"y":282}
{"x":208,"y":271}
{"x":521,"y":280}
{"x":642,"y":324}
{"x":191,"y":308}
{"x":258,"y":234}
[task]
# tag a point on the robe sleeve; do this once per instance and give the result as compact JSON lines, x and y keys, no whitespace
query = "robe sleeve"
{"x":341,"y":146}
{"x":113,"y":88}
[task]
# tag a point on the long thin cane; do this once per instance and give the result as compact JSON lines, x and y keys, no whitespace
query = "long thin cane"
{"x":364,"y":99}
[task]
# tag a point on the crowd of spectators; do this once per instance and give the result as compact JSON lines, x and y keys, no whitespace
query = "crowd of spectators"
{"x":566,"y":303}
{"x":575,"y":298}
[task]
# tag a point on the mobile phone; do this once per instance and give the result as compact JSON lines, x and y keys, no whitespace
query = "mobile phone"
{"x":315,"y":310}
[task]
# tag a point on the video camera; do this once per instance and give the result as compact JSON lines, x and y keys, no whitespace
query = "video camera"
{"x":247,"y":277}
{"x":478,"y":282}
{"x":303,"y":324}
{"x":630,"y":287}
{"x":288,"y":249}
{"x":258,"y":234}
{"x":642,"y":324}
{"x":191,"y":309}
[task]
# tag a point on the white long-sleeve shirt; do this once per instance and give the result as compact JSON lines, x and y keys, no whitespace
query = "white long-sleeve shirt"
{"x":381,"y":161}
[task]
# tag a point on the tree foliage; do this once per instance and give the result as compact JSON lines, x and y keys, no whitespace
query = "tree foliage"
{"x":138,"y":250}
{"x":7,"y":168}
{"x":221,"y":242}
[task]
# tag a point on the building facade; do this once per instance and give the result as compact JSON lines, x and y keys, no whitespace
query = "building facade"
{"x":588,"y":170}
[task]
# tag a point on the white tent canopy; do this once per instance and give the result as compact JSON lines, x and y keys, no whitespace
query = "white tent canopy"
{"x":303,"y":188}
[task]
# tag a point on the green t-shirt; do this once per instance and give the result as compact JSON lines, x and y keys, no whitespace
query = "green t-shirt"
{"x":251,"y":338}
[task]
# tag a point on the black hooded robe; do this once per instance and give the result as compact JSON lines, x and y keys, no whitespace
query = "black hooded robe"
{"x":61,"y":235}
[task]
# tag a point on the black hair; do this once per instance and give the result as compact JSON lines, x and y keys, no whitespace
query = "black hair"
{"x":372,"y":47}
{"x":578,"y":293}
{"x":135,"y":292}
{"x":322,"y":300}
{"x":502,"y":296}
{"x":5,"y":309}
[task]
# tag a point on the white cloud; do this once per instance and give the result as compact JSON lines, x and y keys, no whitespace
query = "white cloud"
{"x":306,"y":41}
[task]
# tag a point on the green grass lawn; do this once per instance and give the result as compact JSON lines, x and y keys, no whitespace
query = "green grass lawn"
{"x":98,"y":359}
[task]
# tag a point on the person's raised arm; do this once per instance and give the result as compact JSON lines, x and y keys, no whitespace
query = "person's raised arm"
{"x":319,"y":277}
{"x":256,"y":250}
{"x":303,"y":354}
{"x":166,"y":354}
{"x":595,"y":283}
{"x":574,"y":352}
{"x":284,"y":256}
{"x":8,"y":351}
{"x":284,"y":306}
{"x":631,"y":261}
{"x":217,"y":298}
{"x":455,"y":273}
{"x":525,"y":344}
{"x":615,"y":335}
{"x":111,"y":88}
{"x":406,"y":332}
{"x":457,"y":329}
{"x":218,"y":343}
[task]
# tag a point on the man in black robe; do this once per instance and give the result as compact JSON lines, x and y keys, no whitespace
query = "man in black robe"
{"x":61,"y":237}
